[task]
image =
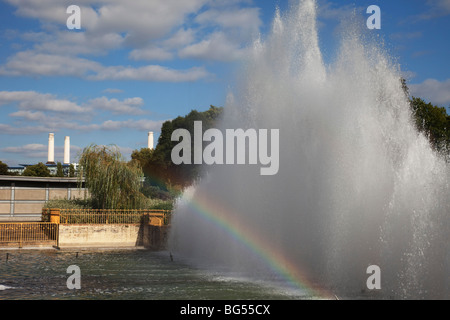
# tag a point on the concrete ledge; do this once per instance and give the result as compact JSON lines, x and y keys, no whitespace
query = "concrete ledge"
{"x":113,"y":236}
{"x":31,"y":248}
{"x":100,"y":245}
{"x":101,"y":248}
{"x":30,"y":218}
{"x":100,"y":235}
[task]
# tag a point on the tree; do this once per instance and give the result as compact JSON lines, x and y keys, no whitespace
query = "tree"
{"x":3,"y":169}
{"x":71,"y":171}
{"x":112,"y":182}
{"x":37,"y":170}
{"x":433,"y":121}
{"x":59,"y":170}
{"x":157,"y":164}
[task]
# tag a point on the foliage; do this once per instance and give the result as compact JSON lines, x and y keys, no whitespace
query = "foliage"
{"x":157,"y":164}
{"x":433,"y":121}
{"x":112,"y":182}
{"x":71,"y":171}
{"x":3,"y":169}
{"x":59,"y":170}
{"x":69,"y":204}
{"x":159,"y":204}
{"x":37,"y":170}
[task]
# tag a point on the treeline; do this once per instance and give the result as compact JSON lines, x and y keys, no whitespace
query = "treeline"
{"x":40,"y":170}
{"x":434,"y":122}
{"x":162,"y":177}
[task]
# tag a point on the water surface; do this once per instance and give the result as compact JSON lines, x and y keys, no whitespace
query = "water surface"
{"x":124,"y":274}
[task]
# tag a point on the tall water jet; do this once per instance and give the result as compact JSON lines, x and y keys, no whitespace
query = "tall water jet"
{"x":357,"y":184}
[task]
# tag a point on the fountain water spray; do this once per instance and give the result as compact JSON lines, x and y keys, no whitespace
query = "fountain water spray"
{"x":357,"y":184}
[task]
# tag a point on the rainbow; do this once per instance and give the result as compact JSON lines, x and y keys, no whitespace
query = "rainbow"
{"x":215,"y":213}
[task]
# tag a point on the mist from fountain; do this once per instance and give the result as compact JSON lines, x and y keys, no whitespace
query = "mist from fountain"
{"x":357,"y":184}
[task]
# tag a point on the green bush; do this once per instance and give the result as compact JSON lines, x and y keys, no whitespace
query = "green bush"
{"x":69,"y":204}
{"x":159,"y":204}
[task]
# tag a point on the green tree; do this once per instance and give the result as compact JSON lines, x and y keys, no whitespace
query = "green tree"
{"x":71,"y":171}
{"x":112,"y":182}
{"x":3,"y":169}
{"x":37,"y":170}
{"x":433,"y":121}
{"x":59,"y":170}
{"x":157,"y":164}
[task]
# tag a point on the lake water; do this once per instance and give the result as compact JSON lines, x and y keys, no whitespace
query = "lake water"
{"x":125,"y":275}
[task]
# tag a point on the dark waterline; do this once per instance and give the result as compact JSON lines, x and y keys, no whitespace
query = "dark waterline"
{"x":124,"y":275}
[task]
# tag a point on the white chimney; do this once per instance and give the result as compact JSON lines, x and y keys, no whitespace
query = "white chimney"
{"x":150,"y":140}
{"x":67,"y":150}
{"x":51,"y":148}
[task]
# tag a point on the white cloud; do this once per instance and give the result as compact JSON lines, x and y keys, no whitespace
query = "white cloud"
{"x":216,"y":47}
{"x":181,"y":38}
{"x":39,"y":151}
{"x":30,"y":63}
{"x":22,"y":130}
{"x":245,"y":21}
{"x":130,"y":106}
{"x":112,"y":90}
{"x":73,"y":43}
{"x":29,"y":115}
{"x":437,"y":9}
{"x":432,"y":90}
{"x":46,"y":10}
{"x":113,"y":125}
{"x":31,"y":100}
{"x":38,"y":113}
{"x":139,"y":125}
{"x":144,"y":20}
{"x":150,"y":73}
{"x":151,"y":30}
{"x":151,"y":53}
{"x":26,"y":148}
{"x":141,"y":20}
{"x":33,"y":106}
{"x":108,"y":125}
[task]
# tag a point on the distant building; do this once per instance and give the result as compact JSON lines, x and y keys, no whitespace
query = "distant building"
{"x":51,"y":167}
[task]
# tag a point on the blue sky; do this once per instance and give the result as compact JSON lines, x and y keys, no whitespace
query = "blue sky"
{"x":135,"y":64}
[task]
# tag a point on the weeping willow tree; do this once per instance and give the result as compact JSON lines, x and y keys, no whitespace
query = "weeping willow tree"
{"x":112,"y":182}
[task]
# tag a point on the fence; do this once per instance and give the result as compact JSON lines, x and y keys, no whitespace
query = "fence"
{"x":31,"y":233}
{"x":104,"y":216}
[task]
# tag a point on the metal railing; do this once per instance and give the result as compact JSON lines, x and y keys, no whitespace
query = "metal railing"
{"x":108,"y":216}
{"x":28,"y":233}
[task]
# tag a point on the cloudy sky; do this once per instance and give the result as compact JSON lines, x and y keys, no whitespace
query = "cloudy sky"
{"x":134,"y":64}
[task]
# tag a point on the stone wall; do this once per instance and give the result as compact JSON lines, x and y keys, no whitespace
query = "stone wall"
{"x":113,"y":236}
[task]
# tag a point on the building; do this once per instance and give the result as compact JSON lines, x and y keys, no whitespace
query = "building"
{"x":18,"y":170}
{"x":51,"y":165}
{"x":22,"y":198}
